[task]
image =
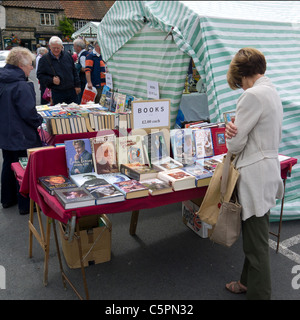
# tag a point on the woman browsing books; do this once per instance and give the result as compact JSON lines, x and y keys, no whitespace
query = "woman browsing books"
{"x":253,"y":137}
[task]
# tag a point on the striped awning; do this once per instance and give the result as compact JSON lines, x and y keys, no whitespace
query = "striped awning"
{"x":210,"y":32}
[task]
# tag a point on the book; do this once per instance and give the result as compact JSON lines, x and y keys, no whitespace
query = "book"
{"x":31,"y":150}
{"x":156,"y":145}
{"x":74,"y":198}
{"x":219,"y":140}
{"x":104,"y":154}
{"x":103,"y":95}
{"x":228,"y":116}
{"x":79,"y":156}
{"x":87,"y":179}
{"x":167,"y":163}
{"x":138,"y":171}
{"x":210,"y":163}
{"x":120,"y":102}
{"x":114,"y":177}
{"x":178,"y":179}
{"x":132,"y":189}
{"x":106,"y":193}
{"x":156,"y":186}
{"x":131,"y":149}
{"x":202,"y":176}
{"x":23,"y":162}
{"x":203,"y":143}
{"x":55,"y":182}
{"x":182,"y":144}
{"x":176,"y":139}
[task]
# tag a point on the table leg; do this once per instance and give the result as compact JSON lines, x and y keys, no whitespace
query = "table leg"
{"x":133,"y":222}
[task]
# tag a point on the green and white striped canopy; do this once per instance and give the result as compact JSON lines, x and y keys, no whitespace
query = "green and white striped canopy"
{"x":132,"y":39}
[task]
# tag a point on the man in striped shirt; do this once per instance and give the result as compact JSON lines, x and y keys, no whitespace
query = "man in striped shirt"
{"x":95,"y":71}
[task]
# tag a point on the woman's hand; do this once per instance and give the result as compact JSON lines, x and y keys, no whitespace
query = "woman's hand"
{"x":230,"y":130}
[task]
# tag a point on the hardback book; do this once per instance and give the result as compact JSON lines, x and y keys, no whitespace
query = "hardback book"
{"x":74,"y":198}
{"x":104,"y":154}
{"x":23,"y":162}
{"x":210,"y":163}
{"x":132,"y":189}
{"x":79,"y":156}
{"x":156,"y":145}
{"x":202,"y":176}
{"x":156,"y":186}
{"x":87,"y":179}
{"x":55,"y":182}
{"x":219,"y":140}
{"x":131,"y":149}
{"x":178,"y":179}
{"x":138,"y":171}
{"x":114,"y":177}
{"x":167,"y":163}
{"x":203,"y":143}
{"x":106,"y":193}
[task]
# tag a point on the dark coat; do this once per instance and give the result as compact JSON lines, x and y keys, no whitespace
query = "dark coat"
{"x":19,"y":119}
{"x":64,"y":68}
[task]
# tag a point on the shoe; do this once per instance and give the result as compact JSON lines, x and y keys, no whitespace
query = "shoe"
{"x":23,"y":212}
{"x":8,"y":205}
{"x":236,"y":287}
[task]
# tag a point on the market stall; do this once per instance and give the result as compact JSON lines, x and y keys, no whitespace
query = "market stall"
{"x":154,"y":40}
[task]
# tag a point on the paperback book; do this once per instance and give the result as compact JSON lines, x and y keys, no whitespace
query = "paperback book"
{"x":105,"y":193}
{"x":203,"y":143}
{"x":132,"y":189}
{"x":138,"y":171}
{"x":178,"y":179}
{"x":79,"y":156}
{"x":74,"y":198}
{"x":156,"y":145}
{"x":210,"y":164}
{"x":55,"y":182}
{"x":156,"y":186}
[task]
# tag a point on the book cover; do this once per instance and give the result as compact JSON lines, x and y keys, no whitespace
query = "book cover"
{"x":138,"y":171}
{"x":176,"y":139}
{"x":219,"y":140}
{"x":105,"y":193}
{"x":128,"y":102}
{"x":166,"y":163}
{"x":87,"y":179}
{"x":228,"y":116}
{"x":103,"y":95}
{"x":104,"y":154}
{"x":132,"y":189}
{"x":114,"y":177}
{"x":202,"y":176}
{"x":203,"y":143}
{"x":131,"y":149}
{"x":56,"y":182}
{"x":74,"y":198}
{"x":23,"y":162}
{"x":120,"y":102}
{"x":156,"y":145}
{"x":156,"y":186}
{"x":210,"y":164}
{"x":178,"y":179}
{"x":79,"y":156}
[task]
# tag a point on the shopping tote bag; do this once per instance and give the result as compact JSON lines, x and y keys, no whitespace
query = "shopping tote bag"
{"x":88,"y":95}
{"x":211,"y":204}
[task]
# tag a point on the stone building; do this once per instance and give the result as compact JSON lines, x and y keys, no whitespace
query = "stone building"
{"x":29,"y":23}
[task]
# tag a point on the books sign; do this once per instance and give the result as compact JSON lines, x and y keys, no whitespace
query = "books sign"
{"x":151,"y":113}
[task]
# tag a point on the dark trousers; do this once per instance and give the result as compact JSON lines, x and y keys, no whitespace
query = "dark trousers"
{"x":67,"y":96}
{"x":9,"y":184}
{"x":256,"y":275}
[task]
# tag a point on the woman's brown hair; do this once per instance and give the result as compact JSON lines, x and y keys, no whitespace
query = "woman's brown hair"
{"x":246,"y":63}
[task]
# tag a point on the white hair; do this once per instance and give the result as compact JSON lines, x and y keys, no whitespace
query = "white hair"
{"x":79,"y":42}
{"x":56,"y":40}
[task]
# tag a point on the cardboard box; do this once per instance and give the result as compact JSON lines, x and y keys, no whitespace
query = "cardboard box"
{"x":192,"y":220}
{"x":92,"y":236}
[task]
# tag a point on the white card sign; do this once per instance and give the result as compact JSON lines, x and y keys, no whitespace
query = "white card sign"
{"x":151,"y":113}
{"x":108,"y":80}
{"x":152,"y":90}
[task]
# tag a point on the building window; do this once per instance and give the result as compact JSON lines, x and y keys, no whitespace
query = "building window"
{"x":79,"y":24}
{"x":47,"y":19}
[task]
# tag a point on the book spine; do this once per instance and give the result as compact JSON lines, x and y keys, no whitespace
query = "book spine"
{"x":130,"y":173}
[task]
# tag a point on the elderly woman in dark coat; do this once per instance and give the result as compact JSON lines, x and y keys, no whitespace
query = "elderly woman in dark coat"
{"x":19,"y":121}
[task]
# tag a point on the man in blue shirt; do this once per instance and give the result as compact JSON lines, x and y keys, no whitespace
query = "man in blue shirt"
{"x":95,"y":71}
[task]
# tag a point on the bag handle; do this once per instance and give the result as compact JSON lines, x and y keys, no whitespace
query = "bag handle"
{"x":48,"y":59}
{"x":225,"y":174}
